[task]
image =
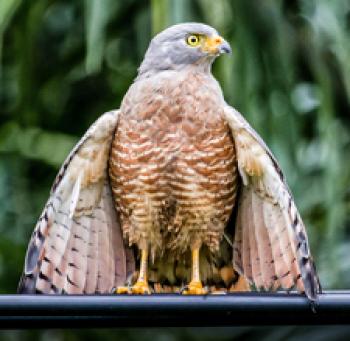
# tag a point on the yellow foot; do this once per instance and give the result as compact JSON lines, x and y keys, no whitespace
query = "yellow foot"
{"x":140,"y":288}
{"x":123,"y":290}
{"x":194,"y":288}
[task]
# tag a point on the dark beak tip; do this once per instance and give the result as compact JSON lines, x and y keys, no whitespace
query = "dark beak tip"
{"x":226,"y":49}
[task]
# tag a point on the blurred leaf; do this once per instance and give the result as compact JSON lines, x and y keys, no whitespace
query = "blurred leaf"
{"x":7,"y":10}
{"x":180,"y":11}
{"x":34,"y":143}
{"x":305,"y":97}
{"x":98,"y":14}
{"x":160,"y":15}
{"x":217,"y":13}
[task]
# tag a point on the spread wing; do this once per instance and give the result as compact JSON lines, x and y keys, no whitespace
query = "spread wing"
{"x":77,"y":245}
{"x":271,"y":247}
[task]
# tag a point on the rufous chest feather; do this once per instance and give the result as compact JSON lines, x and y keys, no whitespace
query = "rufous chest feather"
{"x":170,"y":111}
{"x":173,"y":160}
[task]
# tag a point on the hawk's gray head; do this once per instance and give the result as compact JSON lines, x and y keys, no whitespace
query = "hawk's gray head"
{"x":181,"y":45}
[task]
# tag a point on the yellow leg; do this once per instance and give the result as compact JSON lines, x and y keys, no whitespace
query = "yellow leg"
{"x":195,"y":286}
{"x":141,"y":286}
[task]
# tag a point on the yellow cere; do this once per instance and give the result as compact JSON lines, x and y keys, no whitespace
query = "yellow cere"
{"x":212,"y":44}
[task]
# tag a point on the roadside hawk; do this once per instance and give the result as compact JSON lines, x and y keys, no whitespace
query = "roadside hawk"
{"x":173,"y":189}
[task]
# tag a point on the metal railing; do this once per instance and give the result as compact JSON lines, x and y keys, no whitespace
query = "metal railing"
{"x":39,"y":311}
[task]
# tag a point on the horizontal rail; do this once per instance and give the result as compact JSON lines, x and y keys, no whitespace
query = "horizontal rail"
{"x":39,"y":311}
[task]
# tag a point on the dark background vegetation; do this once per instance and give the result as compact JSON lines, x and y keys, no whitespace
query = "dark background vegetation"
{"x":63,"y":63}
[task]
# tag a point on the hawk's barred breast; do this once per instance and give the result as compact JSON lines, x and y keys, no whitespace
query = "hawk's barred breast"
{"x":173,"y":164}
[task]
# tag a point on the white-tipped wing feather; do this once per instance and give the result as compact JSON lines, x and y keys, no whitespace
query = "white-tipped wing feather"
{"x":271,"y":247}
{"x":77,"y":245}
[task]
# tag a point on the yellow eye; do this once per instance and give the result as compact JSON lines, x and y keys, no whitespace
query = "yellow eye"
{"x":193,"y":40}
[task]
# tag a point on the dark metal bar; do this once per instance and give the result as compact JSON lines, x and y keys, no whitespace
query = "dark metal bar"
{"x":38,"y":311}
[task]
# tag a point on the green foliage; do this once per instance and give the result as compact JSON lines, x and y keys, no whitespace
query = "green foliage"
{"x":63,"y":63}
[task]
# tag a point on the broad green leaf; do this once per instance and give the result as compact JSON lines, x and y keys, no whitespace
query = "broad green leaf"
{"x":34,"y":143}
{"x":7,"y":10}
{"x":97,"y":15}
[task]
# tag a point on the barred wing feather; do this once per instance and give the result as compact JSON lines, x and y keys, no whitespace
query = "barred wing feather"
{"x":271,"y":247}
{"x":77,"y":245}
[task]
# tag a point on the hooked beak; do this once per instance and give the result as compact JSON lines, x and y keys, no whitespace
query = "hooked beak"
{"x":225,"y":47}
{"x":216,"y":45}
